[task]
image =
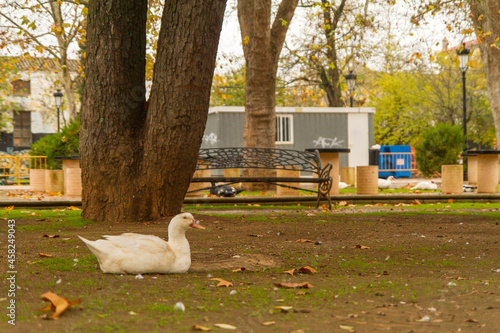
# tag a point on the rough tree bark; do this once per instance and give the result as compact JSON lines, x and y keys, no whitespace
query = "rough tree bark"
{"x":490,"y":51}
{"x":262,"y":44}
{"x":136,"y":159}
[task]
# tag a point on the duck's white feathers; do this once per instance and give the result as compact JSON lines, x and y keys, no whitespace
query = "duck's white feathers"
{"x":138,"y":254}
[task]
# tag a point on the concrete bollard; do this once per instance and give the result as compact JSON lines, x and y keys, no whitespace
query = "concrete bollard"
{"x":73,"y":182}
{"x":54,"y":181}
{"x":367,"y":179}
{"x":284,"y":191}
{"x":487,"y":173}
{"x":472,"y":170}
{"x":37,"y":180}
{"x":348,"y":175}
{"x":452,"y":179}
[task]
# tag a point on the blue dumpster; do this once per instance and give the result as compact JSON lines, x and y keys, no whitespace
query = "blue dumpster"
{"x":396,"y":160}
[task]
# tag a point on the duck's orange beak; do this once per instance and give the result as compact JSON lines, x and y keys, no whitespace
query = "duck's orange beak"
{"x":196,"y":225}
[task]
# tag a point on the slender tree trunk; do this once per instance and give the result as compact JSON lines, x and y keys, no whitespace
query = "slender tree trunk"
{"x":63,"y":44}
{"x":490,"y":52}
{"x":137,"y":160}
{"x":261,"y":47}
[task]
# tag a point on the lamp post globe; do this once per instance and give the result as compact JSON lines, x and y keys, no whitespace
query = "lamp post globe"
{"x":58,"y":95}
{"x":351,"y":83}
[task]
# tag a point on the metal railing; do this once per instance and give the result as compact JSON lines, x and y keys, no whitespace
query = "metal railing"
{"x":18,"y":167}
{"x":397,"y":162}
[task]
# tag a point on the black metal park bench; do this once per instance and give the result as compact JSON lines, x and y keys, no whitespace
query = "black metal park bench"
{"x":267,"y":158}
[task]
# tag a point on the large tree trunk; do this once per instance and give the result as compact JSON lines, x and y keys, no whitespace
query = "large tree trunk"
{"x":261,"y":47}
{"x":137,"y":160}
{"x":180,"y":97}
{"x":490,"y":52}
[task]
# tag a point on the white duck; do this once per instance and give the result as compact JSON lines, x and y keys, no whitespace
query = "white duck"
{"x":343,"y":185}
{"x":138,"y":254}
{"x":430,"y":185}
{"x":385,"y":183}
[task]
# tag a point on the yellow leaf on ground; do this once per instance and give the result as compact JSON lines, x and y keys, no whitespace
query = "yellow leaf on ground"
{"x":44,"y":255}
{"x":284,"y":308}
{"x":294,"y":285}
{"x":201,"y":328}
{"x":307,"y":269}
{"x":268,"y":323}
{"x":225,"y":326}
{"x":291,"y":271}
{"x":222,"y":283}
{"x":57,"y":304}
{"x":9,"y":208}
{"x":241,"y":269}
{"x":302,"y":240}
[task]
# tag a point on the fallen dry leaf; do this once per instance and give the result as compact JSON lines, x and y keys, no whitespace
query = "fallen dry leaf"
{"x":300,"y":292}
{"x":346,"y":328}
{"x":72,"y":208}
{"x":222,"y":283}
{"x":291,"y":271}
{"x":307,"y":269}
{"x":302,"y":240}
{"x":9,"y":208}
{"x":51,"y":236}
{"x":343,"y":203}
{"x":44,"y":255}
{"x":310,"y":214}
{"x":362,"y":247}
{"x":241,"y":269}
{"x":57,"y":304}
{"x":471,"y":321}
{"x":268,"y":323}
{"x":416,"y":202}
{"x":225,"y":326}
{"x":201,"y":328}
{"x":294,"y":285}
{"x":284,"y":308}
{"x":256,"y":235}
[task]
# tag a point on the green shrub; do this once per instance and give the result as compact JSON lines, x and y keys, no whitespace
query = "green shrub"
{"x":437,"y":146}
{"x":64,"y":143}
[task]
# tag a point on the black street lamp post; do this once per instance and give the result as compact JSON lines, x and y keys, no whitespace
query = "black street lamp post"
{"x":351,"y":83}
{"x":463,"y":57}
{"x":58,"y":98}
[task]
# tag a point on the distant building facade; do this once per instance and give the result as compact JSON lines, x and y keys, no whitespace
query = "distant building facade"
{"x":300,"y":128}
{"x":33,"y":85}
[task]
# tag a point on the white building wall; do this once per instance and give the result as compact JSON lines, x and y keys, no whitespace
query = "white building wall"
{"x":358,"y":132}
{"x":40,"y":102}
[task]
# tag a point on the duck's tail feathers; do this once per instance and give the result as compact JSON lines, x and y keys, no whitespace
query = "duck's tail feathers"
{"x":91,"y":245}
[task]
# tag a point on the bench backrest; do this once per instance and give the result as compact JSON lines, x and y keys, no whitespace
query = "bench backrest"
{"x":259,"y":158}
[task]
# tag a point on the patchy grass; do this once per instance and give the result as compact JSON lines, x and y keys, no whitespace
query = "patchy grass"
{"x":444,"y":259}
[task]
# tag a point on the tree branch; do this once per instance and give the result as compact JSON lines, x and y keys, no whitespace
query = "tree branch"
{"x":280,"y":25}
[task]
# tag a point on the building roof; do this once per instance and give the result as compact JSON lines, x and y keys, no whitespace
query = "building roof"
{"x":39,"y":64}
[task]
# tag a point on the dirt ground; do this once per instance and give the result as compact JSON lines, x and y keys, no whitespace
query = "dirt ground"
{"x":383,"y":271}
